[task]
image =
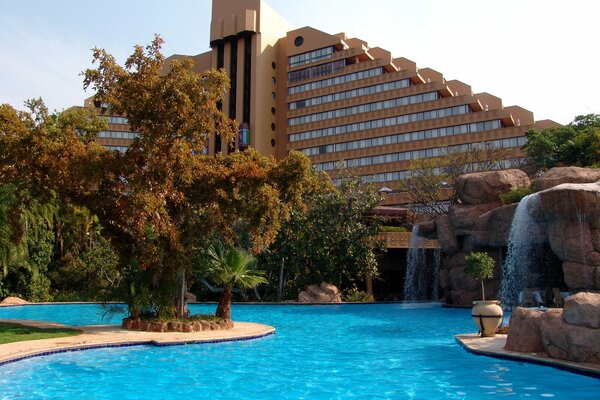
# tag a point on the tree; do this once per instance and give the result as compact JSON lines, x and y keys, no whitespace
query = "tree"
{"x":431,"y":182}
{"x":328,"y":241}
{"x":576,"y":144}
{"x":162,"y":197}
{"x":229,"y":267}
{"x":480,"y":266}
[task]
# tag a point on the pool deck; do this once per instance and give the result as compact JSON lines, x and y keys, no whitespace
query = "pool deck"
{"x":494,"y":347}
{"x":98,"y":336}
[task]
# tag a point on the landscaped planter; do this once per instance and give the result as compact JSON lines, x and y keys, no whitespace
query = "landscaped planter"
{"x":137,"y":324}
{"x":487,"y":316}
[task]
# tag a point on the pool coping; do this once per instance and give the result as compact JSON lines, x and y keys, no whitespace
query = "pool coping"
{"x":494,"y":347}
{"x":105,"y":336}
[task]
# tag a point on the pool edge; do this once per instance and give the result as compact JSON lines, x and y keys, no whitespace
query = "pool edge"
{"x":85,"y":341}
{"x":494,"y":347}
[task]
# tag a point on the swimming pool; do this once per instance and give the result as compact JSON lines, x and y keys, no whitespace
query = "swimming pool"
{"x":380,"y":351}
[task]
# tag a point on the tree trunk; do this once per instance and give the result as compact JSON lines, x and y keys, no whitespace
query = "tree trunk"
{"x":224,"y":307}
{"x":181,"y":301}
{"x":482,"y":291}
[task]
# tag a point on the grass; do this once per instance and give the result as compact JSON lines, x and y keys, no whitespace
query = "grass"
{"x":17,"y":333}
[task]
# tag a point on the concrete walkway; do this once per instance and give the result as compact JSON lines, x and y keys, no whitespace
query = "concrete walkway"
{"x":97,"y":336}
{"x":494,"y":347}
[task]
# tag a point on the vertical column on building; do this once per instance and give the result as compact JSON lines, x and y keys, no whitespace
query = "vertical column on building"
{"x":233,"y":68}
{"x":220,"y":64}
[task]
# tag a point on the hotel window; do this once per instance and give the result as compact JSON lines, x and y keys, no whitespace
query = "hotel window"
{"x":373,"y":124}
{"x":310,"y":57}
{"x":338,"y":80}
{"x":411,"y":136}
{"x":316,"y":71}
{"x":363,"y":108}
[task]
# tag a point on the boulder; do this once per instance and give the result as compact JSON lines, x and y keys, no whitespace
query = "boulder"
{"x":581,"y":276}
{"x":466,"y":218}
{"x":576,"y":200}
{"x":446,"y":237}
{"x":560,"y":175}
{"x":498,"y":225}
{"x":427,"y":229}
{"x":569,"y":342}
{"x":13,"y":301}
{"x":572,"y":241}
{"x":524,"y":334}
{"x":583,"y":309}
{"x":486,"y":187}
{"x":323,"y":293}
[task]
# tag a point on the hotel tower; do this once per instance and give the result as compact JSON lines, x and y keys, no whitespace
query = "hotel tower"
{"x":335,"y":98}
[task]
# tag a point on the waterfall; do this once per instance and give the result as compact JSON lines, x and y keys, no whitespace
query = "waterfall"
{"x":437,"y":257}
{"x":523,"y":232}
{"x":417,"y":278}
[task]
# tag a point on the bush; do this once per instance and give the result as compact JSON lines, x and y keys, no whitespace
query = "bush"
{"x":480,"y":266}
{"x":357,"y":296}
{"x":515,"y":195}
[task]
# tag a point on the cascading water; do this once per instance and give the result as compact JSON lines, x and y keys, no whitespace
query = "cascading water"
{"x":437,"y":256}
{"x":422,"y":279}
{"x":521,"y":240}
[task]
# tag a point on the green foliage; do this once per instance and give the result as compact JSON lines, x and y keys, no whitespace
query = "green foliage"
{"x":480,"y":266}
{"x":357,"y":296}
{"x":577,"y":144}
{"x":515,"y":195}
{"x":92,"y":275}
{"x":229,"y":267}
{"x":10,"y":333}
{"x":329,"y":241}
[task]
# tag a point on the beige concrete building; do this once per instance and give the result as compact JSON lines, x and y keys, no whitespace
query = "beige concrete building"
{"x":335,"y":98}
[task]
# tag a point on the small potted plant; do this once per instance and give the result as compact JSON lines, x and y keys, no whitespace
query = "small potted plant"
{"x":487,"y":314}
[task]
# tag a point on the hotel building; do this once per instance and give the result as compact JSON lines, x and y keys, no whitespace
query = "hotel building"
{"x":335,"y":98}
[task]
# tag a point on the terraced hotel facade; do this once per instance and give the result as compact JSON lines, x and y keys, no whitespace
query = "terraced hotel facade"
{"x":336,"y":98}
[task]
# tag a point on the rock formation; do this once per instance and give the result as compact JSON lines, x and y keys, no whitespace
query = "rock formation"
{"x":572,"y":333}
{"x":13,"y":301}
{"x":323,"y":293}
{"x":566,"y":235}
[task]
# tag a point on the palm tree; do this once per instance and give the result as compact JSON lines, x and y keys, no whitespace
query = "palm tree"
{"x":230,"y":267}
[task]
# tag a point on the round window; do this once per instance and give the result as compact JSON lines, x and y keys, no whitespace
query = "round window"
{"x":273,"y":80}
{"x":273,"y":127}
{"x":273,"y":95}
{"x":298,"y":41}
{"x":273,"y":142}
{"x":273,"y":111}
{"x":273,"y":65}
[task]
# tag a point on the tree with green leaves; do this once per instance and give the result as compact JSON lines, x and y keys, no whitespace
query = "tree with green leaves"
{"x":163,"y":196}
{"x":577,"y":144}
{"x":329,"y":240}
{"x":230,"y":267}
{"x":480,"y":266}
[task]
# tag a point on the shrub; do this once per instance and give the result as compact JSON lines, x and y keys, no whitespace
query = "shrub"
{"x":480,"y":266}
{"x":357,"y":296}
{"x":515,"y":195}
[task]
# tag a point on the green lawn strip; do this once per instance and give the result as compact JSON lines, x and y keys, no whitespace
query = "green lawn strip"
{"x":10,"y":332}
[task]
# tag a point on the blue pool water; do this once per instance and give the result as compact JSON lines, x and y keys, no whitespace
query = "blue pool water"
{"x":386,"y":351}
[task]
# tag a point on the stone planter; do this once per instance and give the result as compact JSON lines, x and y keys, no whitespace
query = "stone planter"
{"x":487,"y":316}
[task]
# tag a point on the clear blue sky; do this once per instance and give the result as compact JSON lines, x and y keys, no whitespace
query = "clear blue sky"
{"x":540,"y":54}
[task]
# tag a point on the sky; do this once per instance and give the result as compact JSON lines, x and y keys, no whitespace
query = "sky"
{"x":539,"y":54}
